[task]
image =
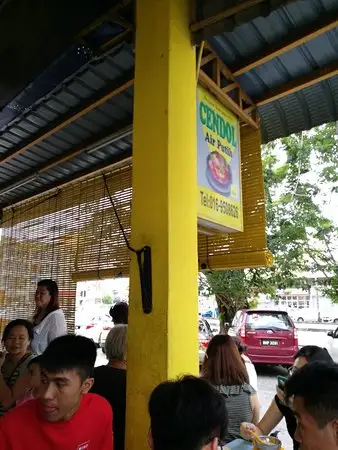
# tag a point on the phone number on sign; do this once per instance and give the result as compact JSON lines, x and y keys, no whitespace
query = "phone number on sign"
{"x":218,"y":205}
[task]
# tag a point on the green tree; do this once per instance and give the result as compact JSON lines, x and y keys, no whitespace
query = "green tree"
{"x":301,"y":176}
{"x":107,"y":299}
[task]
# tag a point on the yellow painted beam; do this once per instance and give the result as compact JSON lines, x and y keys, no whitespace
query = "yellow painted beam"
{"x":164,"y":343}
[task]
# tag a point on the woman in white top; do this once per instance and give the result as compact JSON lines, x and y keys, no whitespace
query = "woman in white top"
{"x":48,"y":320}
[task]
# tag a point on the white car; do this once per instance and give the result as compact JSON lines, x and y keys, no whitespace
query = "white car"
{"x":94,"y":327}
{"x":332,"y":344}
{"x":214,"y":325}
{"x":304,"y":315}
{"x":329,"y":319}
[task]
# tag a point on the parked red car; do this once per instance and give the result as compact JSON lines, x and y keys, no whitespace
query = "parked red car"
{"x":270,"y":336}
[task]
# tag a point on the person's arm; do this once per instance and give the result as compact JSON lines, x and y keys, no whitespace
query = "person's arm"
{"x":57,"y":327}
{"x":253,"y":380}
{"x":8,"y":396}
{"x":256,"y":408}
{"x":270,"y":420}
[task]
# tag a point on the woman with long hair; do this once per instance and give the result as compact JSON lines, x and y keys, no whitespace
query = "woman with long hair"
{"x":48,"y":320}
{"x":224,"y":368}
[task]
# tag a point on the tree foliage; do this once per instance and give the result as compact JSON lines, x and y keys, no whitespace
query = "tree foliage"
{"x":107,"y":299}
{"x":301,"y":184}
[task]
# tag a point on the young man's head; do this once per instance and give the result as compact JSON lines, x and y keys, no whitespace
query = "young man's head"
{"x":314,"y":389}
{"x":187,"y":414}
{"x":66,"y":375}
{"x":119,"y":313}
{"x":309,"y":354}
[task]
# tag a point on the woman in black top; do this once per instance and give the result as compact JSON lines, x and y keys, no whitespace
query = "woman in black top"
{"x":277,"y":410}
{"x":110,"y":380}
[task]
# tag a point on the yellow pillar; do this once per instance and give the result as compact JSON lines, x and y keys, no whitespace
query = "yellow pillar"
{"x":163,"y":344}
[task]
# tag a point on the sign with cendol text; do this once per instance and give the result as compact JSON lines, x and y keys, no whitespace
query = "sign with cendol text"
{"x":219,"y":197}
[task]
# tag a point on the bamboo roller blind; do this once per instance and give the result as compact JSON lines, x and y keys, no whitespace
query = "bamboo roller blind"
{"x":73,"y":234}
{"x":69,"y":235}
{"x":247,"y":249}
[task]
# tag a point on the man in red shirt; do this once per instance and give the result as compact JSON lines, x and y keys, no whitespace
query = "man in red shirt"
{"x":64,"y":416}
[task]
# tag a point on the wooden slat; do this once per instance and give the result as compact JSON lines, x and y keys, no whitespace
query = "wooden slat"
{"x":289,"y":42}
{"x":229,"y":75}
{"x":206,"y":59}
{"x":299,"y":84}
{"x":225,"y":99}
{"x":242,"y":6}
{"x":230,"y":87}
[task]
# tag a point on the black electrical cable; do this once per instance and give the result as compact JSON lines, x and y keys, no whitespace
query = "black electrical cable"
{"x":144,"y":264}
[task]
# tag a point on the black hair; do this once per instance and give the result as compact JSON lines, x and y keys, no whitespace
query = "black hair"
{"x":53,"y":290}
{"x":242,"y":348}
{"x":35,"y":360}
{"x":18,"y":323}
{"x":119,"y":313}
{"x":314,"y":353}
{"x":70,"y":352}
{"x":186,"y":414}
{"x":317,"y":385}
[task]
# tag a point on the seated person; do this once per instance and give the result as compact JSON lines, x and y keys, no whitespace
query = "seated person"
{"x":187,"y":414}
{"x":64,"y":416}
{"x":33,"y":369}
{"x":314,"y":393}
{"x":110,"y":380}
{"x":14,"y":379}
{"x":224,"y":368}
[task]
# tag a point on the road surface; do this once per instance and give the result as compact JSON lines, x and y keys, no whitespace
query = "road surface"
{"x":267,"y":376}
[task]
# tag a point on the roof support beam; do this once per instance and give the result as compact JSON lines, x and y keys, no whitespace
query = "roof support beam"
{"x":226,"y":72}
{"x":114,"y":161}
{"x":101,"y":97}
{"x":90,"y":146}
{"x":223,"y":85}
{"x":299,"y":37}
{"x":206,"y":81}
{"x":225,"y":14}
{"x":298,"y":84}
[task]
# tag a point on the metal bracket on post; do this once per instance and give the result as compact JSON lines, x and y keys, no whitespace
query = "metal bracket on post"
{"x":144,"y":264}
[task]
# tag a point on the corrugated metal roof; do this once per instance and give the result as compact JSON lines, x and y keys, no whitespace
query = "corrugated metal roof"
{"x":100,"y":121}
{"x":70,"y":151}
{"x":304,"y":109}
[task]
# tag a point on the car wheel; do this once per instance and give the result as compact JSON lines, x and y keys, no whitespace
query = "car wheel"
{"x":300,"y":320}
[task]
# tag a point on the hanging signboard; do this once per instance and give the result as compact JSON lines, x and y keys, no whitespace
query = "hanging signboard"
{"x":219,"y":196}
